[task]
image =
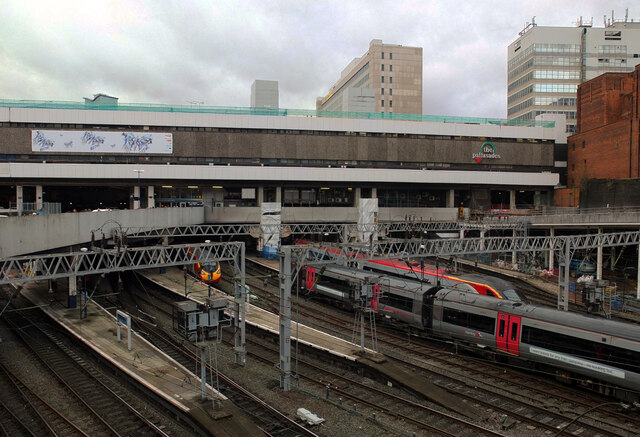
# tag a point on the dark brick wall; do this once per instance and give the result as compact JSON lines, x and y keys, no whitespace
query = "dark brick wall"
{"x":607,"y":143}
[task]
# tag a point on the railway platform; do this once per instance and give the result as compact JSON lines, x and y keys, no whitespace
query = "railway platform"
{"x":173,"y":280}
{"x":147,"y":365}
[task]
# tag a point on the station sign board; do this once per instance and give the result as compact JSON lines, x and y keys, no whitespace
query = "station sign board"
{"x":487,"y":151}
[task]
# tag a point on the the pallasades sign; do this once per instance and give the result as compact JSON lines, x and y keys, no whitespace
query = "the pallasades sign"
{"x":487,"y":151}
{"x":65,"y":141}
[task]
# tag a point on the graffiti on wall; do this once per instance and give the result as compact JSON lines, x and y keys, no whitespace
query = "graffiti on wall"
{"x":100,"y":142}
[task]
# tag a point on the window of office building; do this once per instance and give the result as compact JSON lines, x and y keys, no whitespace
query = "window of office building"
{"x":390,"y":67}
{"x":382,"y":91}
{"x":390,"y":103}
{"x":390,"y":92}
{"x":382,"y":55}
{"x":381,"y":102}
{"x":382,"y":79}
{"x":382,"y":67}
{"x":390,"y":79}
{"x":390,"y":56}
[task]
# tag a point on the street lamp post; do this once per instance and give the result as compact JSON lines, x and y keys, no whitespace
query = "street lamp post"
{"x":137,"y":198}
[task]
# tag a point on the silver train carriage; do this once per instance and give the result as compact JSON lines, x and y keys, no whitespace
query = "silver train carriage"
{"x":598,"y":353}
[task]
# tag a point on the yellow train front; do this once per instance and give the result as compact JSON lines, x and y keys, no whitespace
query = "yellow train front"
{"x":208,"y":273}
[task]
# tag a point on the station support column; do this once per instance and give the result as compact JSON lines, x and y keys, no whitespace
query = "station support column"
{"x":136,"y":196}
{"x":73,"y":291}
{"x":451,"y":198}
{"x":19,"y":199}
{"x":638,"y":278}
{"x":599,"y":258}
{"x":260,"y":197}
{"x":552,"y":233}
{"x":285,"y":319}
{"x":514,"y":255}
{"x":39,"y":203}
{"x":512,"y":200}
{"x":279,"y":194}
{"x":151,"y":200}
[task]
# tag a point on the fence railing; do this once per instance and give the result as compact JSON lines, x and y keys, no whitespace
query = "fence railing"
{"x":280,"y":112}
{"x":32,"y":207}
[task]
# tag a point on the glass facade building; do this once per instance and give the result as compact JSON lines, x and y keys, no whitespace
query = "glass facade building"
{"x":546,"y":64}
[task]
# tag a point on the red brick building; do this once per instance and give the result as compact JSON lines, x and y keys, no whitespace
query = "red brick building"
{"x":607,"y":142}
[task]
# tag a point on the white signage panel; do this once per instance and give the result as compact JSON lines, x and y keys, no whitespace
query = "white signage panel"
{"x":73,"y":141}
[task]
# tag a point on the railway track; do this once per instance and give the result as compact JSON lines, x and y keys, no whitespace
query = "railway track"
{"x":96,"y":402}
{"x":512,"y":397}
{"x":340,"y":386}
{"x":27,"y":413}
{"x":272,"y":421}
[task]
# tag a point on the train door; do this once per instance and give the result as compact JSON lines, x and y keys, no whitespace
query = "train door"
{"x":508,"y":334}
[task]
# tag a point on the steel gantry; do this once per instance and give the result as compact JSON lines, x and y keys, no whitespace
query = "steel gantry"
{"x":17,"y":270}
{"x":563,"y":247}
{"x":345,"y":231}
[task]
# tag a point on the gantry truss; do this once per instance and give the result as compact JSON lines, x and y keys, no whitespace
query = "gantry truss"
{"x":345,"y":230}
{"x":23,"y":269}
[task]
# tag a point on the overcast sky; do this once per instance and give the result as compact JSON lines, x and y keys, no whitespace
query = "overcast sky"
{"x":182,"y":51}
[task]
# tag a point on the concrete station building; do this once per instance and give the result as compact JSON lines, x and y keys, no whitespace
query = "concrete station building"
{"x":80,"y":156}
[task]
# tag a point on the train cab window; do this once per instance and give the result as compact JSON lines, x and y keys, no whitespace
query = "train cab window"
{"x":511,"y":294}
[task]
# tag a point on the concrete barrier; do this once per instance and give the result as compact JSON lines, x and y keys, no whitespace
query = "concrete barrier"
{"x":36,"y":233}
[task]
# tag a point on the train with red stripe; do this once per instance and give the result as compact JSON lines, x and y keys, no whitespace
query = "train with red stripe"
{"x":482,"y":284}
{"x":599,"y":354}
{"x":419,"y":271}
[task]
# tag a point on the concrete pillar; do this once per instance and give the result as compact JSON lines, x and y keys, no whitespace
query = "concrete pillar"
{"x":136,"y":197}
{"x":451,"y":198}
{"x":19,"y":199}
{"x":260,"y":198}
{"x":73,"y":291}
{"x":638,"y":278}
{"x":151,"y":200}
{"x":551,"y":260}
{"x":374,"y":193}
{"x":357,"y":195}
{"x":599,"y":251}
{"x":279,"y":194}
{"x":482,"y":239}
{"x":39,"y":202}
{"x":512,"y":199}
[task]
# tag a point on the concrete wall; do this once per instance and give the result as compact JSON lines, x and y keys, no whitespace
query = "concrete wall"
{"x":29,"y":234}
{"x":328,"y":215}
{"x":252,"y":146}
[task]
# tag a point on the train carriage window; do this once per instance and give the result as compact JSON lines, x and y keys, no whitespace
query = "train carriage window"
{"x":396,"y":301}
{"x":610,"y":355}
{"x":469,"y":320}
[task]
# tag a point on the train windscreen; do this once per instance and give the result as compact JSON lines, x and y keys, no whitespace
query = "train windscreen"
{"x":511,"y":294}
